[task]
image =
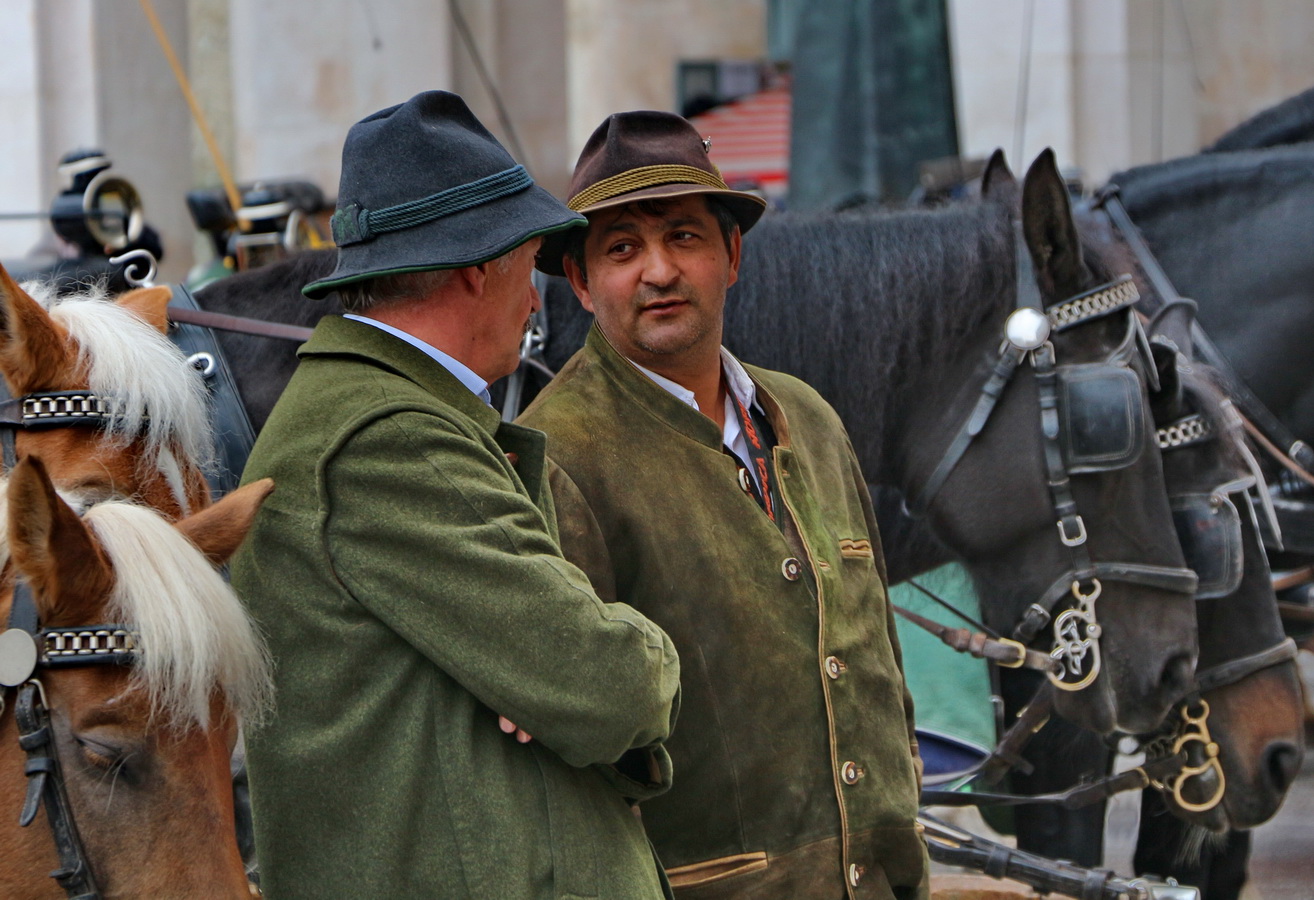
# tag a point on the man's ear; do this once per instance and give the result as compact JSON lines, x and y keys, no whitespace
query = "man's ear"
{"x":736,"y":248}
{"x":474,"y":278}
{"x":578,"y":282}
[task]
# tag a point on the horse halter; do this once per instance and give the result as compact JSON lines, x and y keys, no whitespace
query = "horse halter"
{"x":25,"y":647}
{"x":1209,"y":530}
{"x":1091,"y":420}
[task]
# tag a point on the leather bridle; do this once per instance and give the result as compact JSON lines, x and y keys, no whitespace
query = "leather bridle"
{"x":1075,"y":651}
{"x":26,"y":648}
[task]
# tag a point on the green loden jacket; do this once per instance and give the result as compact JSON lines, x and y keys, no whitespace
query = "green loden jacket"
{"x":410,"y":582}
{"x":796,"y":748}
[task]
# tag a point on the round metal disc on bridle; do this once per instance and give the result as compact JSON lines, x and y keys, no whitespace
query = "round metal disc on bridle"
{"x":1027,"y":328}
{"x":18,"y":657}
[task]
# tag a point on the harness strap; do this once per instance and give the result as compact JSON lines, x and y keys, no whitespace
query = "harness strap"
{"x":1007,"y":653}
{"x":1234,"y":670}
{"x":1007,"y":754}
{"x":239,"y":324}
{"x":45,"y":781}
{"x":1009,"y":357}
{"x":1253,"y":407}
{"x":1078,"y":797}
{"x":1167,"y":578}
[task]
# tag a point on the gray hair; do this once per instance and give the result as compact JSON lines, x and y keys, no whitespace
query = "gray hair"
{"x":384,"y":290}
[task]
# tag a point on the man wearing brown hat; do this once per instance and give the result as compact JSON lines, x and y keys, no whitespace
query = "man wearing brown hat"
{"x":422,"y":619}
{"x":724,"y":502}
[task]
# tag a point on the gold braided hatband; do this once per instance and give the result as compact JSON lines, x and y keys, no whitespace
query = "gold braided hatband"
{"x":644,"y":177}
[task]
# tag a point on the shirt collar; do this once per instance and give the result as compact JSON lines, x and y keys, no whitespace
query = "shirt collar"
{"x":735,"y":376}
{"x":459,"y":370}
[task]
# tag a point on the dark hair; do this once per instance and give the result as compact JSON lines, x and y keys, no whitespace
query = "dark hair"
{"x":652,"y":208}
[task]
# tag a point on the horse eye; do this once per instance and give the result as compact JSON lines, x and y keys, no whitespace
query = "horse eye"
{"x":102,"y":755}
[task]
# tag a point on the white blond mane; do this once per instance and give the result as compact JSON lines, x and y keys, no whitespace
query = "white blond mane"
{"x":160,"y":396}
{"x":195,"y":636}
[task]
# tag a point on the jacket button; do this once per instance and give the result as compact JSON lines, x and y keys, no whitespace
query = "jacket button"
{"x":791,"y":568}
{"x":851,"y":772}
{"x":834,"y":668}
{"x":855,"y":874}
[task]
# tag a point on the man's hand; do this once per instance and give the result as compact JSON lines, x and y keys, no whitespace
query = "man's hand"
{"x":509,"y":727}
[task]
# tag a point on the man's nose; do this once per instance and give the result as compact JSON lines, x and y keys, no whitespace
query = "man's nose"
{"x":535,"y":299}
{"x":659,"y":267}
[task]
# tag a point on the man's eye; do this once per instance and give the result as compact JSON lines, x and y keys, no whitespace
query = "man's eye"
{"x":623,"y":247}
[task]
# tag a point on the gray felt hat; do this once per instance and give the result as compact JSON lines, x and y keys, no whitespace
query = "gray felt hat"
{"x":425,"y":186}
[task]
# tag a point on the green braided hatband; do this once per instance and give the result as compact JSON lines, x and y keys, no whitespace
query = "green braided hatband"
{"x":353,"y":224}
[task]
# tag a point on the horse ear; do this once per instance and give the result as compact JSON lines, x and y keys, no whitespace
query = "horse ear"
{"x":53,"y":548}
{"x":997,"y":181}
{"x":218,"y":530}
{"x":151,"y":303}
{"x":1051,"y":232}
{"x":33,"y":350}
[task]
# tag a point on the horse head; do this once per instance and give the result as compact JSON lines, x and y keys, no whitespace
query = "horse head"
{"x":143,"y":748}
{"x":1059,"y":506}
{"x":1247,"y":698}
{"x":139,"y":411}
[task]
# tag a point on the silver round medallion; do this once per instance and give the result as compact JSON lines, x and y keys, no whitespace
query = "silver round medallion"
{"x":18,"y":657}
{"x":1027,"y":328}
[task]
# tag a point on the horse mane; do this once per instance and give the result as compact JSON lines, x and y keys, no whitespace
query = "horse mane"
{"x":1209,"y":174}
{"x":858,"y":304}
{"x":195,"y":633}
{"x":1288,"y":122}
{"x":161,"y":398}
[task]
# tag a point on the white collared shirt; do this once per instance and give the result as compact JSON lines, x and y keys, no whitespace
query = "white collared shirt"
{"x":459,"y":370}
{"x":732,"y":433}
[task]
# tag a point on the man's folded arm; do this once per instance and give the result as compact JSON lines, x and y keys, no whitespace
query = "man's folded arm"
{"x":424,"y":527}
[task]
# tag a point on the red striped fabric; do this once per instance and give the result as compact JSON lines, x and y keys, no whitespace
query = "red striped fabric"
{"x":750,"y":139}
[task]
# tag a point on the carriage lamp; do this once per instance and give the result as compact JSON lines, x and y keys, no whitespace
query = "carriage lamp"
{"x":1027,"y":328}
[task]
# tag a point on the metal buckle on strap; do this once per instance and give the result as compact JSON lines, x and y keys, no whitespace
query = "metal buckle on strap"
{"x":1021,"y":653}
{"x":1076,"y":540}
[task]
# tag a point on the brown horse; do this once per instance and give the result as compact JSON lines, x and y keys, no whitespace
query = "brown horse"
{"x":152,"y":442}
{"x":143,"y":748}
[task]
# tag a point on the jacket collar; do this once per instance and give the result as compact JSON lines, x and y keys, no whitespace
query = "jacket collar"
{"x":335,"y":336}
{"x":642,"y":391}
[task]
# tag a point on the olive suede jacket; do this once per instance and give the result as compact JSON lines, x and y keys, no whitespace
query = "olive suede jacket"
{"x":411,"y":586}
{"x":795,"y":750}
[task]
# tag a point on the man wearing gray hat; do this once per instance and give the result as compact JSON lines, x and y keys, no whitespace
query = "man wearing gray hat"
{"x":457,"y":713}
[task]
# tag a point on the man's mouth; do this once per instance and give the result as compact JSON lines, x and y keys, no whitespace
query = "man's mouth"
{"x":660,"y":306}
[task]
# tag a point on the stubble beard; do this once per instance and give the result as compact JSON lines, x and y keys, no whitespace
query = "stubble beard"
{"x":689,"y":333}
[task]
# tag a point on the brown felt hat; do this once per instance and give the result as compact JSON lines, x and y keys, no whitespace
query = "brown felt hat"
{"x":644,"y":155}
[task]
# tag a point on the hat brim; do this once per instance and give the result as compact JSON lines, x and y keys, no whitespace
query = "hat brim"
{"x":747,"y":208}
{"x":467,"y":238}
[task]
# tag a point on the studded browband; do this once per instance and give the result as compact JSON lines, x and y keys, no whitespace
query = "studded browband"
{"x":58,"y":408}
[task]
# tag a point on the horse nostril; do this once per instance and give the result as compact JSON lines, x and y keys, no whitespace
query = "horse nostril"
{"x":1283,"y":761}
{"x":1178,"y":674}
